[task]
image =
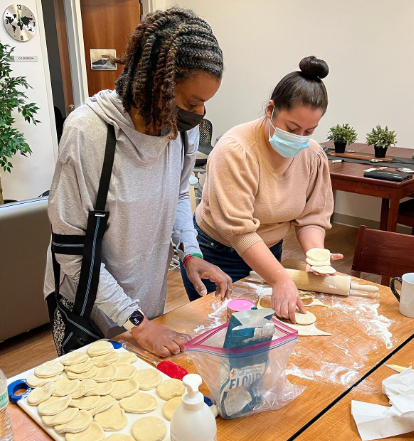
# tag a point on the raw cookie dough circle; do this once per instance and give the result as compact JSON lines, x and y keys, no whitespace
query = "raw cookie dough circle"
{"x":49,"y":369}
{"x":86,"y":388}
{"x":119,"y":437}
{"x":106,"y":373}
{"x":54,"y":405}
{"x":106,"y":360}
{"x":101,"y":347}
{"x":125,"y":371}
{"x":103,"y":389}
{"x":65,"y":387}
{"x":84,"y":375}
{"x":139,"y":403}
{"x":127,"y":357}
{"x":170,"y":407}
{"x":81,"y":422}
{"x":61,"y":418}
{"x":124,"y":389}
{"x":113,"y":419}
{"x":149,"y":429}
{"x":73,"y":358}
{"x":170,"y":388}
{"x":42,"y":393}
{"x":93,"y":433}
{"x":318,"y":254}
{"x":324,"y":269}
{"x":305,"y":319}
{"x":86,"y":403}
{"x":81,"y":367}
{"x":34,"y":381}
{"x":104,"y":404}
{"x":148,"y":378}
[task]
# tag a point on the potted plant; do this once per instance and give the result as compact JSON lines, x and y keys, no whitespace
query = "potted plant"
{"x":381,"y":139}
{"x":12,"y":98}
{"x":342,"y":136}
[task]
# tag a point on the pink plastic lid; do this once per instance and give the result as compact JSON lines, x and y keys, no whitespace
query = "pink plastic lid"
{"x":238,"y":305}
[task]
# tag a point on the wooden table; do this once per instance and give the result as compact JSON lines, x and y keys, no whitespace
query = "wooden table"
{"x":327,"y":366}
{"x":349,"y":177}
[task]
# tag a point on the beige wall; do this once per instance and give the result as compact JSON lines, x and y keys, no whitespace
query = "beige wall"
{"x":368,"y":45}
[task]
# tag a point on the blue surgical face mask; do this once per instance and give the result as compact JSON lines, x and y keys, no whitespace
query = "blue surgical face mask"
{"x":287,"y":144}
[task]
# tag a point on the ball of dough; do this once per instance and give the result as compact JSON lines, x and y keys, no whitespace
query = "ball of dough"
{"x":170,"y":407}
{"x":149,"y":429}
{"x":148,"y":378}
{"x":305,"y":319}
{"x":49,"y":369}
{"x":93,"y":432}
{"x":100,"y":347}
{"x":139,"y":403}
{"x":170,"y":388}
{"x":112,"y":419}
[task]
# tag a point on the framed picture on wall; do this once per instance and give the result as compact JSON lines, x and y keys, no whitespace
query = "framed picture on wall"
{"x":102,"y":59}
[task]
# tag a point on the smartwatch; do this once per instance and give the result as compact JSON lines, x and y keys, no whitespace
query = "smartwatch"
{"x":137,"y":317}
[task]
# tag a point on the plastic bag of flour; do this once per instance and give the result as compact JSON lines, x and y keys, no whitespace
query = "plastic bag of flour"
{"x":243,"y":361}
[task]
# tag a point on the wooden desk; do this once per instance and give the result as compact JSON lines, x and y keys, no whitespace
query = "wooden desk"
{"x":349,"y":176}
{"x":327,"y":361}
{"x":338,"y":424}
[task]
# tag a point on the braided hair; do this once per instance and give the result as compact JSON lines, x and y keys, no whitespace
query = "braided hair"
{"x":166,"y":48}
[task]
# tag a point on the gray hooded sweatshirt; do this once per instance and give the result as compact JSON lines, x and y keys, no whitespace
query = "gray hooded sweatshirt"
{"x":148,"y":202}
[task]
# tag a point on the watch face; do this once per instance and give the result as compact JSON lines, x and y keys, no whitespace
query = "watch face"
{"x":136,"y":318}
{"x":19,"y":22}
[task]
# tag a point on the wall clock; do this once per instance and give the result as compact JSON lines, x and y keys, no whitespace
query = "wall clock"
{"x":20,"y":22}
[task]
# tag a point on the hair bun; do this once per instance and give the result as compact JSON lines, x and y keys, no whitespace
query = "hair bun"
{"x":313,"y":68}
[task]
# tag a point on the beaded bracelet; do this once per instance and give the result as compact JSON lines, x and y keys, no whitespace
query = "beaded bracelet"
{"x":189,"y":257}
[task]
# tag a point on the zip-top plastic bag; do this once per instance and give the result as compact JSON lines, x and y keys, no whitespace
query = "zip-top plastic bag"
{"x":243,"y":361}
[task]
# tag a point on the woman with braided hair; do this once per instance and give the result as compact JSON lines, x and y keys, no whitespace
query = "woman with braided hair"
{"x":172,"y":66}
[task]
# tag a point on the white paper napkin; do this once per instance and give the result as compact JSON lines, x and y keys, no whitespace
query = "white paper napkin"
{"x":377,"y":422}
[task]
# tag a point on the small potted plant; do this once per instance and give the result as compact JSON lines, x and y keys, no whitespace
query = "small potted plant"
{"x":381,"y":139}
{"x":342,"y":136}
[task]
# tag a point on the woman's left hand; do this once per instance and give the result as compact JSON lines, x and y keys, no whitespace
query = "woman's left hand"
{"x":334,"y":257}
{"x":198,"y":269}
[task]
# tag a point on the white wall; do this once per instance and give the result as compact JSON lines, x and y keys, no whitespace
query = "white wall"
{"x":31,"y":176}
{"x":367,"y":44}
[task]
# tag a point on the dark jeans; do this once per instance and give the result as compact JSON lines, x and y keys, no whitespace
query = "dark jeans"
{"x":225,"y":258}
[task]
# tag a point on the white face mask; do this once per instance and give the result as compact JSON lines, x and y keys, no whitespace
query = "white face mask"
{"x":287,"y":144}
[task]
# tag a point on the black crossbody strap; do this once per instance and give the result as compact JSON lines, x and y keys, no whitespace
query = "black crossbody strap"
{"x":184,"y":140}
{"x":106,"y":169}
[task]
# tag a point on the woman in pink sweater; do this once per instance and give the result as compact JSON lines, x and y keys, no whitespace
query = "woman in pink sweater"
{"x":263,"y":177}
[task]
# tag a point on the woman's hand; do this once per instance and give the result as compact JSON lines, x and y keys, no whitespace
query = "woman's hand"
{"x":198,"y":269}
{"x":285,"y":299}
{"x":158,"y":339}
{"x":333,"y":258}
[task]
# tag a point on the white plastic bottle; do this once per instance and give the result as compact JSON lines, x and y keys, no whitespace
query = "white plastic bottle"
{"x":193,"y":419}
{"x":6,"y":429}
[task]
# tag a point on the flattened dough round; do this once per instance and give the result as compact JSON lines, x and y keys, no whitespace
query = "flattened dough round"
{"x":34,"y":381}
{"x":74,"y":358}
{"x":308,"y":331}
{"x":170,"y":407}
{"x":170,"y":388}
{"x":86,"y":388}
{"x":106,"y":360}
{"x":149,"y":429}
{"x":148,"y":378}
{"x":318,"y":254}
{"x":86,"y":403}
{"x":113,"y":419}
{"x":41,"y":393}
{"x":127,"y":357}
{"x":93,"y":433}
{"x":324,"y":269}
{"x":65,"y":387}
{"x":81,"y":367}
{"x":103,"y":389}
{"x":81,"y":422}
{"x":105,"y":403}
{"x":139,"y":403}
{"x":61,"y":418}
{"x":124,"y":389}
{"x":125,"y":371}
{"x":49,"y":369}
{"x":100,"y":347}
{"x":84,"y":375}
{"x":106,"y":373}
{"x":316,"y":263}
{"x":119,"y":437}
{"x":305,"y":319}
{"x":54,"y":405}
